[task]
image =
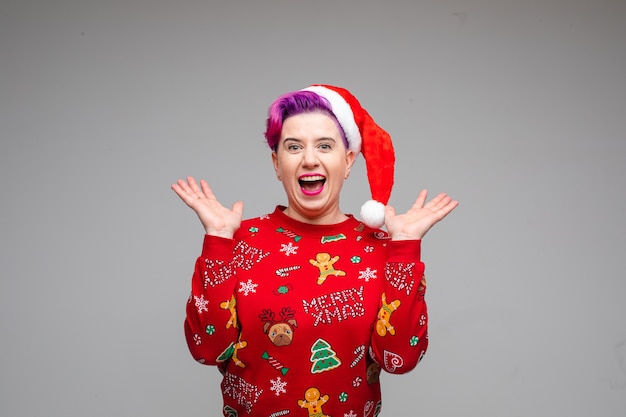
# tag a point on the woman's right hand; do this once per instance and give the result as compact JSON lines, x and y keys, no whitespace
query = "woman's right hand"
{"x":216,"y":219}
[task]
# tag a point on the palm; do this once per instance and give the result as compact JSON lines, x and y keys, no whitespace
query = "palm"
{"x":420,"y":218}
{"x":216,"y":219}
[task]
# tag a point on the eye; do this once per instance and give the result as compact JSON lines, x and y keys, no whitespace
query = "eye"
{"x":325,"y":146}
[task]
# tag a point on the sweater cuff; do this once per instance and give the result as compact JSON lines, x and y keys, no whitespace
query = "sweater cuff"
{"x":404,"y":250}
{"x":218,"y":248}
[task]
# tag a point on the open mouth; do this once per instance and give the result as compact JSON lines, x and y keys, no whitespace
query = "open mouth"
{"x":311,"y":184}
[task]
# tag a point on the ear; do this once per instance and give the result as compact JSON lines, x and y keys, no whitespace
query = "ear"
{"x":350,"y":158}
{"x":275,"y":163}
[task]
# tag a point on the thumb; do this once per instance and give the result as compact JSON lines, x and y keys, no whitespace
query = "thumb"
{"x":389,"y":211}
{"x":238,"y":208}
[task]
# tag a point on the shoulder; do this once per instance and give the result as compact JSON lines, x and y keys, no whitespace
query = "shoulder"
{"x":377,"y":236}
{"x":253,"y":226}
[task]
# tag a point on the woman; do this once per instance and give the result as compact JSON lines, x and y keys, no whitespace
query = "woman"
{"x":300,"y":309}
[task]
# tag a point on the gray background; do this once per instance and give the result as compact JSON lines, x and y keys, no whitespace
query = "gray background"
{"x":517,"y":108}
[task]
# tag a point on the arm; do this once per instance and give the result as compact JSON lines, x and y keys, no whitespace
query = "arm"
{"x":211,"y":326}
{"x":211,"y":319}
{"x":400,"y":336}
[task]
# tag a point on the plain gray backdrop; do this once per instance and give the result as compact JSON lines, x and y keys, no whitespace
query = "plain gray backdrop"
{"x":516,"y":108}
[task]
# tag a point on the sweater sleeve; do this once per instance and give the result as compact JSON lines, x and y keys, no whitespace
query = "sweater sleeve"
{"x":211,"y":326}
{"x":400,"y":336}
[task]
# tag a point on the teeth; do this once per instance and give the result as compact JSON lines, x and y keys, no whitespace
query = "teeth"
{"x":312,"y":178}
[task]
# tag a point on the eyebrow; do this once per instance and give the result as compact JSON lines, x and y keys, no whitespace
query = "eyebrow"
{"x":322,"y":139}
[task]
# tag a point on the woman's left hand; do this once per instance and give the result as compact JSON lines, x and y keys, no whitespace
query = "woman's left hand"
{"x":416,"y":222}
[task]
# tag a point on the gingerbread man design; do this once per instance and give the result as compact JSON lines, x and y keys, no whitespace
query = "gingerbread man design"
{"x":383,"y":324}
{"x":313,"y":402}
{"x":231,"y":353}
{"x":239,"y":345}
{"x":325,"y":263}
{"x":230,"y":306}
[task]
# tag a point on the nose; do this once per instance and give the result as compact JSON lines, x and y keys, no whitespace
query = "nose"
{"x":309,"y":158}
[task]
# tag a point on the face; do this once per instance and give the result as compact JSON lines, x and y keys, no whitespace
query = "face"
{"x":312,"y":162}
{"x":281,"y":334}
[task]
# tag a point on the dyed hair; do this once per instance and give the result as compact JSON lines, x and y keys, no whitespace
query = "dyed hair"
{"x":294,"y":103}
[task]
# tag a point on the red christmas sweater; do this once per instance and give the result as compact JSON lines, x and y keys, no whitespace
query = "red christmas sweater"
{"x":301,"y":318}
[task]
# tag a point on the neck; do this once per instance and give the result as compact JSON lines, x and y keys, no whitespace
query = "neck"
{"x":330,"y":218}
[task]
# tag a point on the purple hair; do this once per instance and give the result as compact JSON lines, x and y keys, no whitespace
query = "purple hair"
{"x":291,"y":104}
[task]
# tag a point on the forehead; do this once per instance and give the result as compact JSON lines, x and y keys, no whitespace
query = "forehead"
{"x":310,"y":126}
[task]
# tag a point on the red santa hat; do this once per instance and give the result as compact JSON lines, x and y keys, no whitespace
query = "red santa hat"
{"x":366,"y":137}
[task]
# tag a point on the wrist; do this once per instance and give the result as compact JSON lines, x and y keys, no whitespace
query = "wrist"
{"x":221,"y":235}
{"x":396,"y":237}
{"x":226,"y":234}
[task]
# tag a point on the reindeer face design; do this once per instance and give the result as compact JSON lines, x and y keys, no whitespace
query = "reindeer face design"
{"x":280,"y":331}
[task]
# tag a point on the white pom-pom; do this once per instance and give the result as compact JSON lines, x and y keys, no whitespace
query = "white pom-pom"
{"x":373,"y":214}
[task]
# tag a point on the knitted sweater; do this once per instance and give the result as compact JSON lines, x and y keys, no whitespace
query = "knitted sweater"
{"x":301,"y":318}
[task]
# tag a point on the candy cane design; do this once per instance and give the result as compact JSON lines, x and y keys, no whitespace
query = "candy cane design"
{"x":275,"y":363}
{"x":284,"y":272}
{"x":279,"y":413}
{"x":359,"y":352}
{"x":289,"y":233}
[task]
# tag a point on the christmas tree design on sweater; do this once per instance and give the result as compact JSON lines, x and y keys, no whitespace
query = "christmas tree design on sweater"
{"x":323,"y":357}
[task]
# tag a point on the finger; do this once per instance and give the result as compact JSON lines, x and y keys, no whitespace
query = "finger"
{"x":193,"y":185}
{"x":438,"y":202}
{"x":238,"y":208}
{"x":185,"y":193}
{"x":178,"y":190}
{"x":421,"y":199}
{"x":182,"y":189}
{"x":389,"y":212}
{"x":435,"y":200}
{"x":206,"y":190}
{"x":182,"y":184}
{"x":184,"y":196}
{"x":447,"y":209}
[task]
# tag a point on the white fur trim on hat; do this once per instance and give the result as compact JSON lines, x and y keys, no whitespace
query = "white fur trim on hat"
{"x":344,"y":115}
{"x":373,"y":214}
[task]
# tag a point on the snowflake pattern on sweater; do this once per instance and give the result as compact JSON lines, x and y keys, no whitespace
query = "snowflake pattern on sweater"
{"x":301,"y":319}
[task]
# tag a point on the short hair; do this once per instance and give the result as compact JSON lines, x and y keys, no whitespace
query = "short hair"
{"x":294,"y":103}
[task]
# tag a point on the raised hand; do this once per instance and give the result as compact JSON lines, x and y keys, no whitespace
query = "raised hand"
{"x":416,"y":222}
{"x":216,"y":219}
